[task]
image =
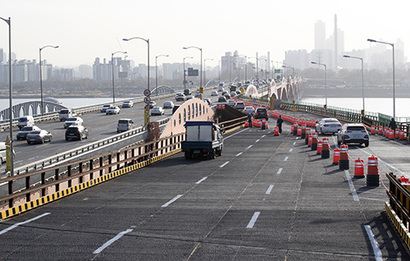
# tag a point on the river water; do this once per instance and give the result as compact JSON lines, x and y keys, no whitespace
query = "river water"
{"x":376,"y":105}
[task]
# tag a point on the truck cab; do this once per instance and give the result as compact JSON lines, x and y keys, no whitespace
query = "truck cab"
{"x":64,"y":114}
{"x":203,"y":138}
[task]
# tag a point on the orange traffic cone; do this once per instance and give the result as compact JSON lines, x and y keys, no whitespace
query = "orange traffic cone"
{"x":373,"y":130}
{"x":344,"y":157}
{"x":319,"y":147}
{"x":276,"y":131}
{"x":372,"y":172}
{"x":336,"y":156}
{"x":358,"y":169}
{"x":325,"y":148}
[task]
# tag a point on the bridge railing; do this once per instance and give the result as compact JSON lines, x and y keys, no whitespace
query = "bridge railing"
{"x":80,"y":150}
{"x":38,"y":187}
{"x":398,"y":207}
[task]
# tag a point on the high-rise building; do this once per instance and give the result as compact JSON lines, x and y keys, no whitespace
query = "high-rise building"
{"x":320,"y":35}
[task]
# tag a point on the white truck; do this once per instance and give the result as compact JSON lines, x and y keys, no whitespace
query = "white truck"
{"x":64,"y":114}
{"x":203,"y":138}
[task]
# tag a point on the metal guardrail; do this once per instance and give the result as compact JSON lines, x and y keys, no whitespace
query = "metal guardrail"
{"x":38,"y":187}
{"x":398,"y":207}
{"x":78,"y":151}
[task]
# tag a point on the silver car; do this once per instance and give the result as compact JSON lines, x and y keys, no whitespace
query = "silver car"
{"x":328,"y":125}
{"x":353,"y":133}
{"x":39,"y":136}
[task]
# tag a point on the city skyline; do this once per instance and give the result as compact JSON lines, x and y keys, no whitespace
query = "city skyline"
{"x":89,"y":29}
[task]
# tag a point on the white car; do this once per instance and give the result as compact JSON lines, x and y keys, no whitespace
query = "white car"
{"x":214,"y":93}
{"x":73,"y":121}
{"x":232,"y":103}
{"x":157,"y":111}
{"x":249,"y":110}
{"x":168,"y":105}
{"x":113,"y":110}
{"x":105,"y":108}
{"x":353,"y":133}
{"x":328,"y":125}
{"x":127,"y":104}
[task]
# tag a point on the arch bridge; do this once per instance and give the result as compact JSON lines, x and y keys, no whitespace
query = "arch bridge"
{"x":287,"y":89}
{"x":162,"y":89}
{"x":30,"y":108}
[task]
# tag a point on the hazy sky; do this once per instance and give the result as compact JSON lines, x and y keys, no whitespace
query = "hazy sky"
{"x":86,"y":29}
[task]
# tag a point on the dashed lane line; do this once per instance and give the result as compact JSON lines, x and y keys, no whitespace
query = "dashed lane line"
{"x":223,"y":165}
{"x":23,"y":223}
{"x":199,"y":181}
{"x":269,"y":190}
{"x":279,"y":171}
{"x":351,"y":185}
{"x":286,"y":158}
{"x":171,"y":201}
{"x":253,"y":220}
{"x":111,"y":241}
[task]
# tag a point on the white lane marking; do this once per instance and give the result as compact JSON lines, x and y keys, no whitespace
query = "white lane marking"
{"x":269,"y":190}
{"x":235,"y":134}
{"x":377,"y":253}
{"x":23,"y":223}
{"x":294,"y":143}
{"x":239,"y":154}
{"x":297,"y":138}
{"x":279,"y":171}
{"x":263,"y":136}
{"x":286,"y":159}
{"x":257,"y":140}
{"x":253,"y":220}
{"x":351,"y":185}
{"x":112,"y":240}
{"x":250,"y":146}
{"x":171,"y":201}
{"x":290,"y":150}
{"x":223,"y":165}
{"x":199,"y":181}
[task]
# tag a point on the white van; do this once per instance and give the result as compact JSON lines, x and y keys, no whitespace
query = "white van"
{"x":124,"y":125}
{"x":64,"y":114}
{"x":2,"y":152}
{"x":25,"y":121}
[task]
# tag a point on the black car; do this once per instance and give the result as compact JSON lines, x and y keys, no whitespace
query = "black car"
{"x":221,"y":99}
{"x":261,"y":113}
{"x":76,"y":132}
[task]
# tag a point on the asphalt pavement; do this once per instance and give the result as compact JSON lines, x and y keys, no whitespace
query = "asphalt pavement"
{"x":266,"y":198}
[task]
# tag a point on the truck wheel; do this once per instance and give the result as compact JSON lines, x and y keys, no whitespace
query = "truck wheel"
{"x":219,"y":152}
{"x":188,"y":155}
{"x":211,"y":154}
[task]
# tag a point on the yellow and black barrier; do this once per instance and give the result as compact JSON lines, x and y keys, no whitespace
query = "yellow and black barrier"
{"x":5,"y":214}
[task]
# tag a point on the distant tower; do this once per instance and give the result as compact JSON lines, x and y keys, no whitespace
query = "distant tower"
{"x":335,"y":36}
{"x":320,"y":35}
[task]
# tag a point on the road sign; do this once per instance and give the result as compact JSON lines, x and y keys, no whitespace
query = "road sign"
{"x":201,"y":89}
{"x":147,"y":100}
{"x":147,"y":92}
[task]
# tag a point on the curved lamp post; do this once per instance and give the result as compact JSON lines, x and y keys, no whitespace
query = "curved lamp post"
{"x":361,"y":59}
{"x":156,"y":71}
{"x":322,"y":64}
{"x":200,"y":49}
{"x":394,"y":74}
{"x":146,"y":115}
{"x":11,"y":168}
{"x":112,"y":69}
{"x":289,"y":67}
{"x":41,"y":75}
{"x":205,"y":70}
{"x":183,"y":64}
{"x":147,"y":41}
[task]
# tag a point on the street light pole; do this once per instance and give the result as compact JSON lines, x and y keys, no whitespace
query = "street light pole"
{"x":8,"y":21}
{"x":361,"y":59}
{"x":146,"y":113}
{"x":41,"y":77}
{"x":289,"y":67}
{"x":325,"y":81}
{"x":200,"y":49}
{"x":156,"y":72}
{"x":183,"y":64}
{"x":394,"y":74}
{"x":205,"y":70}
{"x":112,"y":69}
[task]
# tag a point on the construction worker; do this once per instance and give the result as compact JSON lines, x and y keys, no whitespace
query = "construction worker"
{"x":279,"y":123}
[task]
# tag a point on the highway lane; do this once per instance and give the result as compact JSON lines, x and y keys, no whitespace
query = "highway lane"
{"x":266,"y":197}
{"x":100,"y":126}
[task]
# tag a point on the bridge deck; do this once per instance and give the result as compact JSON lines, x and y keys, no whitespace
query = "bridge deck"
{"x":266,"y":197}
